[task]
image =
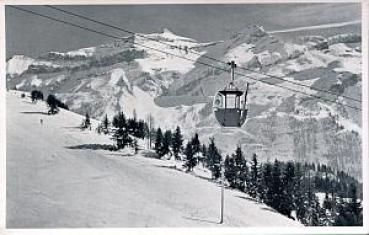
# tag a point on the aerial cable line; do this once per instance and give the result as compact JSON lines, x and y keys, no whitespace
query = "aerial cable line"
{"x":64,"y":22}
{"x":299,"y":84}
{"x":185,"y":58}
{"x":199,"y":54}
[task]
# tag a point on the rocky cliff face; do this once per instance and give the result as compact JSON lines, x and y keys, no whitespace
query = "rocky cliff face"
{"x":128,"y":75}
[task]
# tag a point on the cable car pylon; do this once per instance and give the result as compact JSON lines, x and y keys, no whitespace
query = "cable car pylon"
{"x":222,"y":172}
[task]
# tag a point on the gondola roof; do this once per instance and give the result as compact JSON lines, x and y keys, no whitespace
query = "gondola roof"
{"x":232,"y":92}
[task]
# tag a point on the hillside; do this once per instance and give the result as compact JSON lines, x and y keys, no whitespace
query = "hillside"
{"x":56,"y":179}
{"x":282,"y":124}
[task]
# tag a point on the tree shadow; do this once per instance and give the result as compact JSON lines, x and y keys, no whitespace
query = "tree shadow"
{"x":207,"y":179}
{"x":118,"y":154}
{"x":170,"y":167}
{"x":150,"y":154}
{"x":43,"y":113}
{"x":279,"y":213}
{"x":94,"y":147}
{"x":202,"y":220}
{"x":269,"y":209}
{"x":248,"y":198}
{"x":187,"y":172}
{"x":72,"y":127}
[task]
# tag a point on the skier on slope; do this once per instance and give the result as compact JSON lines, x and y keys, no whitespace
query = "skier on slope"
{"x":41,"y":121}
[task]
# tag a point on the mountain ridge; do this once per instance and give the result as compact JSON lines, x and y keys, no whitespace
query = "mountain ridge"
{"x":123,"y":74}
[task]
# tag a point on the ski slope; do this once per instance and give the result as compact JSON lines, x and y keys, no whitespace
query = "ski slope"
{"x":51,"y":182}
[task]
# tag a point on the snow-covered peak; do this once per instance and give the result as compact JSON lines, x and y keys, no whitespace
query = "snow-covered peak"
{"x":259,"y":49}
{"x":167,"y":36}
{"x":257,"y":31}
{"x":166,"y":30}
{"x":169,"y":52}
{"x":170,"y":35}
{"x":18,"y":64}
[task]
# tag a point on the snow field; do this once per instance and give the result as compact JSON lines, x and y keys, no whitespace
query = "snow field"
{"x":55,"y":180}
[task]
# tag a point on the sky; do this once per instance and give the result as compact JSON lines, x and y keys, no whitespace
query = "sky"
{"x":31,"y":35}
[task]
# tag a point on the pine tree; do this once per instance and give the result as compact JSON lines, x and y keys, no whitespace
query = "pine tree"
{"x":86,"y":122}
{"x":354,"y":207}
{"x":177,"y":143}
{"x":122,"y":137}
{"x":214,"y":159}
{"x":327,"y":216}
{"x":204,"y":152}
{"x":267,"y":182}
{"x":327,"y":202}
{"x":254,"y":176}
{"x":105,"y":124}
{"x":230,"y":171}
{"x":313,"y":212}
{"x":299,"y":192}
{"x":276,"y":185}
{"x":196,"y":146}
{"x":327,"y":207}
{"x":159,"y":142}
{"x":37,"y":95}
{"x":167,"y":142}
{"x":132,"y":126}
{"x":261,"y":190}
{"x":141,"y":128}
{"x":33,"y":95}
{"x":240,"y":169}
{"x":190,"y":162}
{"x":312,"y":207}
{"x":287,"y":197}
{"x":52,"y":102}
{"x":119,"y":121}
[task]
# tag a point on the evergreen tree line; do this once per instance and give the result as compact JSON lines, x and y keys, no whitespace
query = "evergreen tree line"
{"x":291,"y":187}
{"x":124,"y":130}
{"x":288,"y":187}
{"x":165,"y":142}
{"x":192,"y":153}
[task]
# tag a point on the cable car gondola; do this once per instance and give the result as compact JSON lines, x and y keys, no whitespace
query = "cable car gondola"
{"x":229,"y":109}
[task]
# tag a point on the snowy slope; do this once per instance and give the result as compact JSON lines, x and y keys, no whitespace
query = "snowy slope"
{"x":55,"y":180}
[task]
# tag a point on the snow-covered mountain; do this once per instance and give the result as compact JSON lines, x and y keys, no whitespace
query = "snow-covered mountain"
{"x":56,"y":179}
{"x":128,"y":75}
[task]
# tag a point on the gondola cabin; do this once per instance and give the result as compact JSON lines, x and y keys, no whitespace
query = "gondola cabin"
{"x":230,"y":105}
{"x":229,"y":109}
